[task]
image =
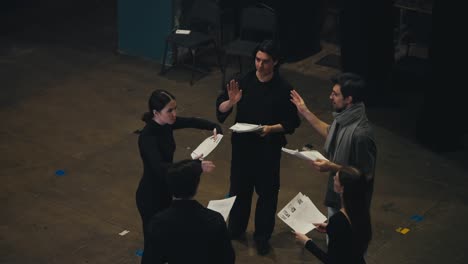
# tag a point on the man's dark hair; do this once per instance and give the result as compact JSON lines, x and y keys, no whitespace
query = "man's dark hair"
{"x":270,"y":47}
{"x":183,"y":178}
{"x":351,"y":85}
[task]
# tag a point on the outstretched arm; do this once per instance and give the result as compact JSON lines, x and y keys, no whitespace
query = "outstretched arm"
{"x":269,"y":129}
{"x":301,"y":238}
{"x":311,"y":246}
{"x":325,"y":165}
{"x":320,"y":126}
{"x":199,"y":123}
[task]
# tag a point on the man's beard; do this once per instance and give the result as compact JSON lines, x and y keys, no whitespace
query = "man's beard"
{"x":339,"y":110}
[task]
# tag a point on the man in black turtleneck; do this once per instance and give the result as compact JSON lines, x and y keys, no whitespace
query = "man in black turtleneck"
{"x":261,"y":97}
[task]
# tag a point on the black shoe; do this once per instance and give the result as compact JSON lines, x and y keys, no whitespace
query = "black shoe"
{"x":263,"y":247}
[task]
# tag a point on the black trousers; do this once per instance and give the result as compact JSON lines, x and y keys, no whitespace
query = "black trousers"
{"x":255,"y":165}
{"x":149,"y":202}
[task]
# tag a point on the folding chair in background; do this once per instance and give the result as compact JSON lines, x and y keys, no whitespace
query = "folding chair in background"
{"x":256,"y":24}
{"x":201,"y":31}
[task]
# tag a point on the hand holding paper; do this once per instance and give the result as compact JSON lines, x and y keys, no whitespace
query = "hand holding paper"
{"x":245,"y":127}
{"x":321,"y":227}
{"x":205,"y":148}
{"x":300,"y":214}
{"x":207,"y":166}
{"x":306,"y":154}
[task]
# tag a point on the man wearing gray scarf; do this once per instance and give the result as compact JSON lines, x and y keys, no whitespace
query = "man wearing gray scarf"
{"x":349,"y":140}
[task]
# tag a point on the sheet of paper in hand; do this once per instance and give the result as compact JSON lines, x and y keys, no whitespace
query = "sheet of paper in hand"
{"x":301,"y":214}
{"x":223,"y":206}
{"x":306,"y":154}
{"x":206,"y":146}
{"x":245,"y":127}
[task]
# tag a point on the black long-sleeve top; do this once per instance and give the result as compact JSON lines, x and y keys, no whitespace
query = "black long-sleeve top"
{"x":264,"y":103}
{"x":340,"y":243}
{"x":187,"y":232}
{"x":157,"y":146}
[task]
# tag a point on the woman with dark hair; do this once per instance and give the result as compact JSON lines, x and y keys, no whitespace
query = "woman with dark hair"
{"x":349,"y":231}
{"x":157,"y":146}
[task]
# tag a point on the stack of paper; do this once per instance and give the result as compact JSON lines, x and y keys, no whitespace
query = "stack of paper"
{"x":206,"y":146}
{"x":301,"y":214}
{"x":182,"y":31}
{"x":245,"y":127}
{"x":223,"y":206}
{"x":306,"y":154}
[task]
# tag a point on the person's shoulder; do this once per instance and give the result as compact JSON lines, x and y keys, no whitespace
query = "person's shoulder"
{"x":161,"y":220}
{"x":282,"y":82}
{"x":148,"y":134}
{"x":163,"y":215}
{"x":143,"y":132}
{"x":339,"y":216}
{"x":364,"y":130}
{"x":211,"y":213}
{"x":339,"y":221}
{"x":213,"y":216}
{"x":152,"y":128}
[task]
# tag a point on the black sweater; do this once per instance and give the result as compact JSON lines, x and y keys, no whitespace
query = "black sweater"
{"x":340,"y":244}
{"x":264,"y":103}
{"x":157,"y":146}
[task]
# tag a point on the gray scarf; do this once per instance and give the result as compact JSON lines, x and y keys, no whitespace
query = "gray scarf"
{"x":348,"y":120}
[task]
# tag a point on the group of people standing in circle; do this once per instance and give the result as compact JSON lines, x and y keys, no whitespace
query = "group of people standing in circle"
{"x":165,"y":195}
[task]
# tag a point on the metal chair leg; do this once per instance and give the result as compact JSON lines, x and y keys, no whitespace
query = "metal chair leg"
{"x":225,"y":59}
{"x":192,"y":51}
{"x":163,"y":67}
{"x":218,"y":57}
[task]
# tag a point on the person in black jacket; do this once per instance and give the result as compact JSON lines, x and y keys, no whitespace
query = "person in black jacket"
{"x":187,"y":232}
{"x":349,"y":231}
{"x":261,"y":97}
{"x":157,"y":146}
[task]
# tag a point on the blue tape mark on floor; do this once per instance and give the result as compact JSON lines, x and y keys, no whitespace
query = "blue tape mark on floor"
{"x":139,"y":252}
{"x":60,"y":172}
{"x":417,"y":218}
